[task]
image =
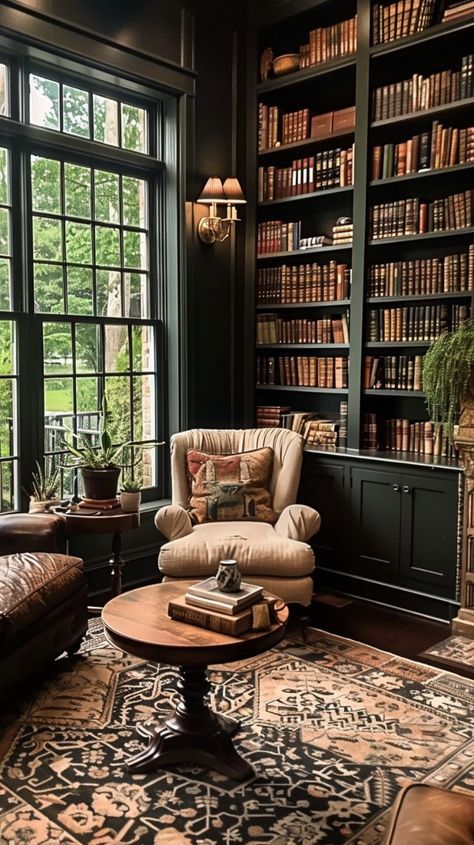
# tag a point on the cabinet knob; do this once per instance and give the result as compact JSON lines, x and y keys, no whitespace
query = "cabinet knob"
{"x":396,"y":488}
{"x":406,"y":488}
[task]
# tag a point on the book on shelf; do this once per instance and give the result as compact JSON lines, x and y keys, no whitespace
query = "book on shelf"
{"x":271,"y":329}
{"x":393,"y":372}
{"x":222,"y":623}
{"x":404,"y":435}
{"x":315,"y":241}
{"x":271,"y":416}
{"x":342,"y":232}
{"x":414,"y":322}
{"x":276,"y":127}
{"x":209,"y":590}
{"x":302,"y":283}
{"x":303,"y":371}
{"x":320,"y":172}
{"x":418,"y":276}
{"x":400,"y":19}
{"x":416,"y":216}
{"x":418,"y":93}
{"x":455,"y":11}
{"x":329,"y":42}
{"x":441,"y":146}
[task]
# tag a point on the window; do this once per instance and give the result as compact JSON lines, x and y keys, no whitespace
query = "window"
{"x":79,"y":267}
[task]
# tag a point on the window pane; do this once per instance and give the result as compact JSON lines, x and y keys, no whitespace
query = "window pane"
{"x":77,"y":189}
{"x":58,"y":397}
{"x":78,"y":243}
{"x":4,"y":175}
{"x":134,"y":249}
{"x":87,"y":346}
{"x":8,"y":422}
{"x":47,"y":239}
{"x":4,"y":231}
{"x":133,"y":128}
{"x":49,"y":288}
{"x":118,"y":398}
{"x":79,"y":290}
{"x":109,"y":293}
{"x":106,"y":120}
{"x":57,"y":349}
{"x":7,"y":349}
{"x":134,"y":201}
{"x":4,"y":94}
{"x":135,"y":295}
{"x":107,"y":246}
{"x":5,"y":288}
{"x":142,"y":342}
{"x":88,"y":406}
{"x":76,"y":111}
{"x":116,"y":349}
{"x":7,"y":485}
{"x":46,"y":184}
{"x":145,"y":427}
{"x":44,"y":102}
{"x":107,"y":206}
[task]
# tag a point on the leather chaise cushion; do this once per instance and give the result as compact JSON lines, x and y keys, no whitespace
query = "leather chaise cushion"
{"x":426,"y":815}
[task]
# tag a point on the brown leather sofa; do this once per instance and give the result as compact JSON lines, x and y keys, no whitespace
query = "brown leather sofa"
{"x":427,"y":815}
{"x":43,"y":597}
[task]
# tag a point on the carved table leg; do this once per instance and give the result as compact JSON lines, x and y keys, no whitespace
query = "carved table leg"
{"x":116,"y":564}
{"x":193,"y":734}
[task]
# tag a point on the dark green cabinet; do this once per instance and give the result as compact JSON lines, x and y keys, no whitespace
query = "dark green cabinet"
{"x":375,"y":522}
{"x":325,"y":487}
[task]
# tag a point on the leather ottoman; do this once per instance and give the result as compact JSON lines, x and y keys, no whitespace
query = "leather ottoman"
{"x":426,"y":815}
{"x":43,"y":612}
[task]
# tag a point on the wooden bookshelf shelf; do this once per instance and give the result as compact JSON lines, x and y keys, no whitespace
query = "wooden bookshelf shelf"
{"x":427,"y":115}
{"x":308,"y":142}
{"x":422,"y":175}
{"x":312,"y":196}
{"x":291,"y":388}
{"x":301,"y":253}
{"x":284,"y":306}
{"x":332,"y":346}
{"x":450,"y":233}
{"x":434,"y":33}
{"x":386,"y":455}
{"x":373,"y":391}
{"x":306,"y":74}
{"x":419,"y":297}
{"x":394,"y":344}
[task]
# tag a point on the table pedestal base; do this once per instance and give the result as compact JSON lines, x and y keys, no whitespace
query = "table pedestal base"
{"x":194,"y":734}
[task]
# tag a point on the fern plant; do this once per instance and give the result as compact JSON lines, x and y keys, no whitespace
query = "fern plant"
{"x":45,"y":486}
{"x":447,"y":374}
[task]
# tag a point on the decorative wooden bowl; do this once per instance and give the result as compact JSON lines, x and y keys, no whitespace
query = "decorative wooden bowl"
{"x":286,"y":64}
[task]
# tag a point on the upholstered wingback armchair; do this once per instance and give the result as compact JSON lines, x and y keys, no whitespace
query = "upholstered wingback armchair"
{"x":276,"y":556}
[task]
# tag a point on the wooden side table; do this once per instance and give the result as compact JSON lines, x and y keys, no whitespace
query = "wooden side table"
{"x":104,"y":522}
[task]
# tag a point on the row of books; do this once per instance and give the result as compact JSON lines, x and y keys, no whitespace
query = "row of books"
{"x":306,"y":423}
{"x":419,"y":93}
{"x":321,"y":433}
{"x":207,"y":606}
{"x":271,"y":416}
{"x":405,"y":435}
{"x":393,"y":372}
{"x":303,"y":283}
{"x":443,"y":146}
{"x":329,"y":42}
{"x":303,"y":371}
{"x":417,"y":322}
{"x":273,"y":329}
{"x":423,"y":275}
{"x":415,"y":216}
{"x":397,"y":20}
{"x":275,"y":128}
{"x":327,"y":169}
{"x":277,"y":236}
{"x":458,"y":9}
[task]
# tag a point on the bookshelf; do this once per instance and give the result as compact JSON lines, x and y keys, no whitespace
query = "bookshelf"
{"x":360,"y":490}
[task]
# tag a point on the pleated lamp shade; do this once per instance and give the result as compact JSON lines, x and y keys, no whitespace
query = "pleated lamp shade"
{"x":233,"y":192}
{"x":212,"y":192}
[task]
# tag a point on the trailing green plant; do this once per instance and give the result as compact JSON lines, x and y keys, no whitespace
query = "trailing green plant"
{"x":130,"y":485}
{"x":45,"y":485}
{"x":105,"y":455}
{"x":447,"y":371}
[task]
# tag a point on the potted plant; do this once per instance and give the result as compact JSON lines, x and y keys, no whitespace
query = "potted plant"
{"x":100,"y":465}
{"x":130,"y":495}
{"x":448,"y":377}
{"x":45,"y":488}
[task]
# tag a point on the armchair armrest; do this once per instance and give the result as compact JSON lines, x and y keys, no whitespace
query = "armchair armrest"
{"x":298,"y":522}
{"x":173,"y":522}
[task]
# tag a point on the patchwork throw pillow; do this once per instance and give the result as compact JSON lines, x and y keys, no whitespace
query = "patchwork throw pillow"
{"x":230,"y":487}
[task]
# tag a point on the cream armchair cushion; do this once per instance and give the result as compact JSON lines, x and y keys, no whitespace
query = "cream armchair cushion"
{"x":275,"y":556}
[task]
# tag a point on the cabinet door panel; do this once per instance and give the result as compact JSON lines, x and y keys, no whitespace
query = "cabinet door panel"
{"x":375,"y":513}
{"x":429,"y":528}
{"x":323,"y":488}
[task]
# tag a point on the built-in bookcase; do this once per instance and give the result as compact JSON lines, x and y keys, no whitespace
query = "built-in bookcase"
{"x":409,"y":189}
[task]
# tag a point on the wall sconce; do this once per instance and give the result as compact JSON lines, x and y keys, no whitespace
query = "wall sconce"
{"x":214,"y":228}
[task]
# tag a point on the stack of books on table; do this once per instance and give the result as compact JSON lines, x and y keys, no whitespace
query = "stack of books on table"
{"x":206,"y":606}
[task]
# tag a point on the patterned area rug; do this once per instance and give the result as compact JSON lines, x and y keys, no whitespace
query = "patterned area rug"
{"x":332,"y":728}
{"x":455,"y":651}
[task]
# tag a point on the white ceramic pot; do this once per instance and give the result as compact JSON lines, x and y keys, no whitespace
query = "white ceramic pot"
{"x":130,"y":502}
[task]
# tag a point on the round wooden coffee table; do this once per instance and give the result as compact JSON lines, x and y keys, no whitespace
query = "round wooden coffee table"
{"x":137,"y":622}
